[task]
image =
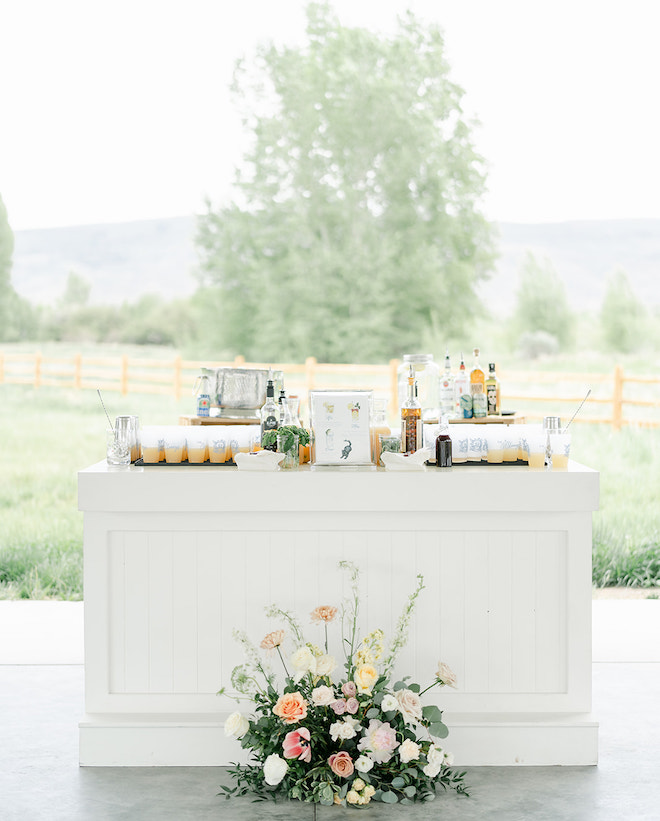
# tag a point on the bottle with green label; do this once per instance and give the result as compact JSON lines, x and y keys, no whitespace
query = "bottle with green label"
{"x":270,"y":413}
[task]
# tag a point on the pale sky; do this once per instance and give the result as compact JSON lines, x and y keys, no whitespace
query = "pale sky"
{"x":118,"y":111}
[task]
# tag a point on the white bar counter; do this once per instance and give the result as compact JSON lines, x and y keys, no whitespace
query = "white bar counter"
{"x":177,"y":557}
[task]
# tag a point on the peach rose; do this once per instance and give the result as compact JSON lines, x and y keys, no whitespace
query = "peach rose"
{"x":341,"y":764}
{"x":291,"y":707}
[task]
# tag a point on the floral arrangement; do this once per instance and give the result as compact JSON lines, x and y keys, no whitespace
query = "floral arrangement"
{"x":362,"y":738}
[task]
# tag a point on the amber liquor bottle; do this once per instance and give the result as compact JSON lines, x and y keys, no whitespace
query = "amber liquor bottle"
{"x":478,"y":388}
{"x":411,"y":418}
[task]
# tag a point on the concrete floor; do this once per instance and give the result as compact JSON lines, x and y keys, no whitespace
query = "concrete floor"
{"x":41,"y":704}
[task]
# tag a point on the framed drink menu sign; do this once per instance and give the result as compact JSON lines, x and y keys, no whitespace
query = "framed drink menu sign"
{"x":341,"y":424}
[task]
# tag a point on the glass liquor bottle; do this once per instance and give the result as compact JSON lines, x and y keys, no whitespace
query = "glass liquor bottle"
{"x":270,"y":412}
{"x":492,"y":391}
{"x":462,"y":395}
{"x":281,"y":402}
{"x":447,"y":406}
{"x":411,"y":418}
{"x":478,"y":388}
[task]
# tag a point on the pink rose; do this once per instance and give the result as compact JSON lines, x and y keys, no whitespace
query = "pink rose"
{"x":341,"y":764}
{"x":352,"y":706}
{"x":349,"y":689}
{"x":339,"y":706}
{"x":296,"y":745}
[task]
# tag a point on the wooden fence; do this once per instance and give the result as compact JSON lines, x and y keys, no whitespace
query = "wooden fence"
{"x":532,"y":393}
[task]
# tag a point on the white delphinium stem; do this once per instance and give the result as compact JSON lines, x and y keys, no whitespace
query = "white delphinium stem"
{"x":401,"y":633}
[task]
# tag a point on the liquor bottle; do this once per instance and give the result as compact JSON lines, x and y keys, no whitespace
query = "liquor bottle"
{"x":281,"y":403}
{"x":270,"y":413}
{"x":462,"y":395}
{"x":411,"y":418}
{"x":478,"y":388}
{"x":492,"y":391}
{"x":447,"y":406}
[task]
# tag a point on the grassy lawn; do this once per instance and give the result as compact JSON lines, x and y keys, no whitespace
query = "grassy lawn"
{"x":46,"y":436}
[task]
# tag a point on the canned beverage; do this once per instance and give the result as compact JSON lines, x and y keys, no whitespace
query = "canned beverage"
{"x":466,"y":406}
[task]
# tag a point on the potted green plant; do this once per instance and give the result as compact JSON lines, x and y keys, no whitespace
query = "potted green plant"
{"x":287,"y":438}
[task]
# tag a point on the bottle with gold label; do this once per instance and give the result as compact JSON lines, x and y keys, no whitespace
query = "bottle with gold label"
{"x":478,"y":388}
{"x":492,"y":391}
{"x":411,"y":418}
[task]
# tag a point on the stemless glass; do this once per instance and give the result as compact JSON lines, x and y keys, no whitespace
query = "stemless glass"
{"x":287,"y":443}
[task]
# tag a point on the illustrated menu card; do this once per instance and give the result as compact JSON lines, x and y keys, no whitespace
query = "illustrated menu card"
{"x":341,"y":421}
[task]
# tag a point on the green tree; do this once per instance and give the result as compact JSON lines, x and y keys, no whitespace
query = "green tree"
{"x":355,"y":224}
{"x":77,"y":291}
{"x":542,"y":321}
{"x":622,"y":316}
{"x":7,"y":293}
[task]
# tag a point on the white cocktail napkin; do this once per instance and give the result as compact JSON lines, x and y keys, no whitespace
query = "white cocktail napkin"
{"x":399,"y":461}
{"x":259,"y":460}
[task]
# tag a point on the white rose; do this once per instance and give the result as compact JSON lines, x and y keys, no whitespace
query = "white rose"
{"x":408,"y":751}
{"x":343,"y":730}
{"x":389,"y":703}
{"x":322,"y":696}
{"x":445,"y":675}
{"x":274,"y":769}
{"x":236,"y":726}
{"x":325,"y":665}
{"x":364,"y":764}
{"x":410,"y":705}
{"x":303,"y":661}
{"x":449,"y":758}
{"x":436,"y":759}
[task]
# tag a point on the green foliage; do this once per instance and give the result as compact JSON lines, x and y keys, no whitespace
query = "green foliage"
{"x":270,"y":437}
{"x":620,"y":566}
{"x":148,"y":321}
{"x":7,"y":293}
{"x":622,"y":316}
{"x":355,"y":225}
{"x":542,"y":311}
{"x":76,"y":293}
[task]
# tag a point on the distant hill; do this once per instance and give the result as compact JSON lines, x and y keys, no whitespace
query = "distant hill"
{"x":121,"y":261}
{"x":584,"y":254}
{"x":124,"y":260}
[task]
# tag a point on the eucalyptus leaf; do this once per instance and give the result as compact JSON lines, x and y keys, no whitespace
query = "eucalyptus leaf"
{"x":398,"y":782}
{"x":410,"y":790}
{"x":389,"y":797}
{"x":432,"y":713}
{"x":438,"y":729}
{"x":374,"y":712}
{"x":414,"y":687}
